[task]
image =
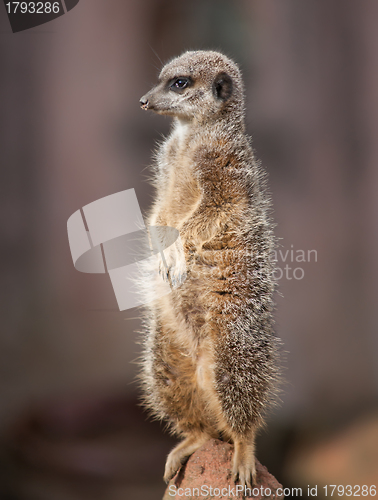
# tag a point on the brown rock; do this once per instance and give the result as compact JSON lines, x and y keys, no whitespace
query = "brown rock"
{"x":207,"y":475}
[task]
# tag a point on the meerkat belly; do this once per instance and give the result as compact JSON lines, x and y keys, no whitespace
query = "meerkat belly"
{"x":185,"y":357}
{"x":184,"y":369}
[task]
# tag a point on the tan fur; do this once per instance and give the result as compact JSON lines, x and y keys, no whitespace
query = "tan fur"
{"x":210,"y":358}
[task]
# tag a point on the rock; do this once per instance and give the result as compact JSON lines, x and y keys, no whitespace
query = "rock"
{"x":207,"y":475}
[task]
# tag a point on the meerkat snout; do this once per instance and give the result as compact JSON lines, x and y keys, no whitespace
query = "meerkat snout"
{"x":143,"y":102}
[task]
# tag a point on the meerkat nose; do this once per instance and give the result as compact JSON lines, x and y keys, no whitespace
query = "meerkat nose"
{"x":144,"y":102}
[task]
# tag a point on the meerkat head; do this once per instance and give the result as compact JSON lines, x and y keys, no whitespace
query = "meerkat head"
{"x":198,"y":84}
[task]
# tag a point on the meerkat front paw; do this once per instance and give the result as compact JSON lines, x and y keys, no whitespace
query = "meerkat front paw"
{"x":172,"y":265}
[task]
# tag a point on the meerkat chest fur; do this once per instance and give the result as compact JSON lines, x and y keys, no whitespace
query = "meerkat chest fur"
{"x":178,"y":190}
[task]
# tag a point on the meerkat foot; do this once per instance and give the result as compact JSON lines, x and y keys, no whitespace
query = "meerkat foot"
{"x":243,"y":463}
{"x":180,"y":454}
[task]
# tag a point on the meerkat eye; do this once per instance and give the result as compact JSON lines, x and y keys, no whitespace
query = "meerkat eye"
{"x":179,"y":83}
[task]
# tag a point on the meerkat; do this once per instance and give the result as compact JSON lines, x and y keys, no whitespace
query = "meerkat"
{"x":210,"y":364}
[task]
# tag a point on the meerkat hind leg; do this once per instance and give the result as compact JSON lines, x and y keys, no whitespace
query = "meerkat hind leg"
{"x":243,"y":463}
{"x":179,"y":455}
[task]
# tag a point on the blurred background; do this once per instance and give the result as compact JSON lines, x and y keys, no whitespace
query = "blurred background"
{"x":71,"y":132}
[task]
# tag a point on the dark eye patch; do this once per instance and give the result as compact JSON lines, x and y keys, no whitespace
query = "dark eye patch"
{"x":180,"y":83}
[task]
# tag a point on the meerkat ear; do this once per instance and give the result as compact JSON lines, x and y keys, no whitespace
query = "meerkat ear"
{"x":222,"y":86}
